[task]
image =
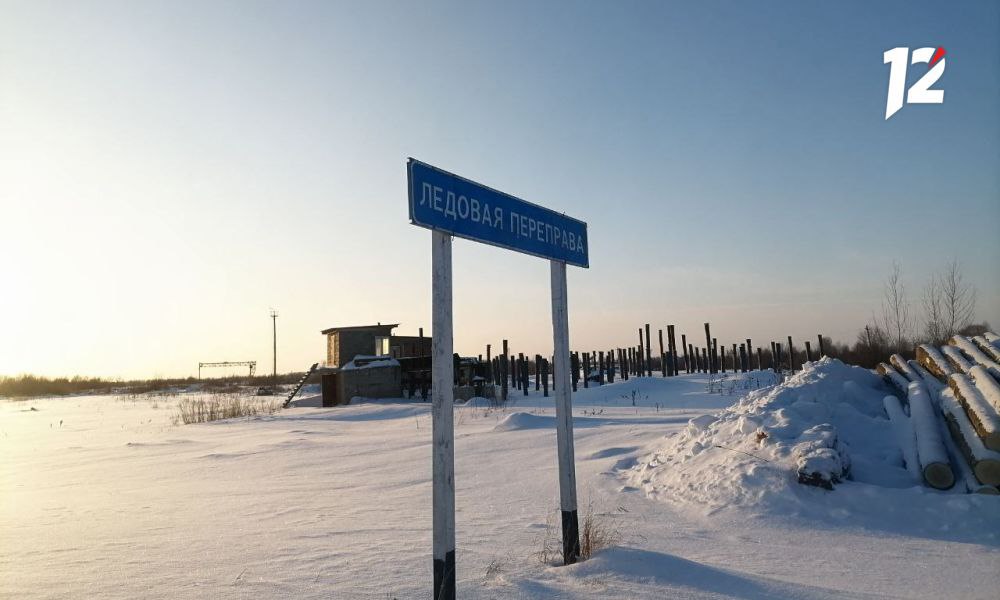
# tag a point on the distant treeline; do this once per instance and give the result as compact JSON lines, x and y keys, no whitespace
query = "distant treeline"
{"x":946,"y":306}
{"x":25,"y":386}
{"x":874,"y":345}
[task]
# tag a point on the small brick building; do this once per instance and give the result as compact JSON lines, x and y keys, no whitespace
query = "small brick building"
{"x":369,"y":377}
{"x":344,"y":343}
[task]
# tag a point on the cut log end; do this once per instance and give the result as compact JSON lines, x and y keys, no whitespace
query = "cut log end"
{"x":940,"y":476}
{"x":988,"y":471}
{"x":988,"y":490}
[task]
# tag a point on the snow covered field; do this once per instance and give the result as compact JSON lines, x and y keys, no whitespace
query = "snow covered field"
{"x":103,"y":498}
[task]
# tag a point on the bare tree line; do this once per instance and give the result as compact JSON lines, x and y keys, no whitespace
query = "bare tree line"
{"x":948,"y":304}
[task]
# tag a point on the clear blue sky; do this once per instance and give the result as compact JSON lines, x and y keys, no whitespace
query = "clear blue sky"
{"x":170,"y":170}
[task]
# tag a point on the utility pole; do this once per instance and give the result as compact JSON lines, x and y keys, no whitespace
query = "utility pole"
{"x":274,"y":341}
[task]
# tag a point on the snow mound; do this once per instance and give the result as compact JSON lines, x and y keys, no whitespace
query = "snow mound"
{"x":309,"y":400}
{"x":824,"y":426}
{"x":480,"y":402}
{"x":521,"y":420}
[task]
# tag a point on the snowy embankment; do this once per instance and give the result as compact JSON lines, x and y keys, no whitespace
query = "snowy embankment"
{"x":101,"y":498}
{"x":825,"y":425}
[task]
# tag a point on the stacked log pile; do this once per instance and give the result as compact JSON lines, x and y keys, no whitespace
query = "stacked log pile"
{"x":946,"y":414}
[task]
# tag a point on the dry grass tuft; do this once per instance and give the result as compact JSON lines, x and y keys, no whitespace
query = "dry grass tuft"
{"x":597,"y":532}
{"x":224,"y":406}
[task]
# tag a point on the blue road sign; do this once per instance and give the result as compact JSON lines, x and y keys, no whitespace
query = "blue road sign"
{"x":446,"y":202}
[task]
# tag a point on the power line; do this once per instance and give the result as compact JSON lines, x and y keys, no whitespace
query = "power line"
{"x":274,"y":340}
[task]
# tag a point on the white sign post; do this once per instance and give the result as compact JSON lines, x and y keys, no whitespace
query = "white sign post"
{"x":451,"y":205}
{"x":443,"y":418}
{"x":564,"y":414}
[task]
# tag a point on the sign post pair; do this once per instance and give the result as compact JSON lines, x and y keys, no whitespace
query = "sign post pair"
{"x":451,"y":205}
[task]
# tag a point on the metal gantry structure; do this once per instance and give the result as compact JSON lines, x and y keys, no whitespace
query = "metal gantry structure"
{"x":252,"y":364}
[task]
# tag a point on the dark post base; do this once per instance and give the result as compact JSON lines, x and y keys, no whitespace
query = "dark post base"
{"x":444,"y":577}
{"x":570,"y":536}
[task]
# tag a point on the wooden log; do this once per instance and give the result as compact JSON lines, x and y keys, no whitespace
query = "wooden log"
{"x":791,"y":355}
{"x":586,"y":370}
{"x":987,"y":386}
{"x":809,"y":352}
{"x":611,"y":366}
{"x":639,"y":364}
{"x":714,"y":352}
{"x":649,"y":355}
{"x":981,"y":414}
{"x":976,"y":355}
{"x":517,"y":370}
{"x":672,"y":348}
{"x":708,"y":345}
{"x":538,"y":371}
{"x":684,"y":346}
{"x":744,"y":358}
{"x":954,"y":356}
{"x":750,"y":357}
{"x":669,"y":348}
{"x":545,"y":378}
{"x":963,"y":471}
{"x":663,"y":363}
{"x":822,"y":350}
{"x":524,"y":374}
{"x":989,"y":349}
{"x":985,"y":463}
{"x":931,"y":451}
{"x":691,"y":358}
{"x":932,"y":360}
{"x":933,"y":384}
{"x":893,"y":377}
{"x":575,"y":367}
{"x":899,"y":363}
{"x":760,"y":358}
{"x":903,"y":431}
{"x":489,"y":365}
{"x":992,"y":338}
{"x":503,"y":373}
{"x":600,"y":367}
{"x":722,"y":363}
{"x":525,"y":379}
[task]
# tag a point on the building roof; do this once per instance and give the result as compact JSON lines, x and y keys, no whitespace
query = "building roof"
{"x":389,"y":326}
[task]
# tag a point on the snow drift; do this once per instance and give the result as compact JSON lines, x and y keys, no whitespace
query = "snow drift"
{"x":824,"y":426}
